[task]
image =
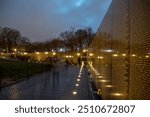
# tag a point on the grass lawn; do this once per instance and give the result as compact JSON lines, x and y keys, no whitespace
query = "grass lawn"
{"x":19,"y":70}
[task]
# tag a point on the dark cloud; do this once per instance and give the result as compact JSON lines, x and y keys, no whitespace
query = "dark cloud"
{"x":43,"y":19}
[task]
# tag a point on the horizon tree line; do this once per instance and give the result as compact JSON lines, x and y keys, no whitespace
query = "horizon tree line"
{"x":70,"y":40}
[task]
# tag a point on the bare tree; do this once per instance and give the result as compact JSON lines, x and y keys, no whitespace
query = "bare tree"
{"x":9,"y":38}
{"x":68,"y":37}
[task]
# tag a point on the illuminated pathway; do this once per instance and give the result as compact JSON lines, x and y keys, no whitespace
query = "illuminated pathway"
{"x":59,"y":83}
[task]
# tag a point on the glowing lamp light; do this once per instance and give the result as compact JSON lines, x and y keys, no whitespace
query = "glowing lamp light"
{"x":70,"y":56}
{"x":115,"y":55}
{"x":147,"y":56}
{"x":78,"y":79}
{"x":54,"y":53}
{"x":133,"y":55}
{"x":100,"y":57}
{"x":91,"y":54}
{"x":37,"y":53}
{"x":100,"y":76}
{"x":109,"y":86}
{"x":85,"y":50}
{"x":77,"y":85}
{"x":117,"y":94}
{"x":103,"y":81}
{"x":15,"y":49}
{"x":25,"y":53}
{"x":74,"y":93}
{"x":109,"y":50}
{"x":123,"y":54}
{"x":78,"y":54}
{"x":46,"y":52}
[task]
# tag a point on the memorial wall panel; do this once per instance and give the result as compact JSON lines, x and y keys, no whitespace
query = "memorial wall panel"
{"x":122,"y":51}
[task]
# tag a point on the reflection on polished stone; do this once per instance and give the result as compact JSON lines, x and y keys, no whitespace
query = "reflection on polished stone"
{"x":121,"y":51}
{"x":55,"y":84}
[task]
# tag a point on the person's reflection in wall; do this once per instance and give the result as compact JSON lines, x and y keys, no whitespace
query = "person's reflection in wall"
{"x":55,"y":75}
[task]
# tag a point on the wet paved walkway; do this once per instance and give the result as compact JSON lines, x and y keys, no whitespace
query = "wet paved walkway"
{"x":58,"y":84}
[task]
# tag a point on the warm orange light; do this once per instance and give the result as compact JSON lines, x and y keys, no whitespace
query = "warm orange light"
{"x":115,"y":55}
{"x":25,"y":53}
{"x":123,"y":54}
{"x":100,"y":57}
{"x":78,"y":54}
{"x":133,"y":55}
{"x":103,"y":80}
{"x":85,"y":50}
{"x":15,"y":49}
{"x":109,"y":86}
{"x":46,"y":52}
{"x":37,"y":53}
{"x":117,"y":94}
{"x":147,"y":56}
{"x":54,"y":53}
{"x":91,"y":54}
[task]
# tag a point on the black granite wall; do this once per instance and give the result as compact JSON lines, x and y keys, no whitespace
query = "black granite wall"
{"x":122,"y":51}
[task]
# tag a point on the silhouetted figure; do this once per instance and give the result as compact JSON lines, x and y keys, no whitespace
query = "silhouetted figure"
{"x":79,"y":61}
{"x":84,"y":60}
{"x":55,"y":75}
{"x":67,"y":63}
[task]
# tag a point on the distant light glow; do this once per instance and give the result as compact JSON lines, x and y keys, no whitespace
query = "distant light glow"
{"x":100,"y":57}
{"x":78,"y":54}
{"x":123,"y":54}
{"x":37,"y":53}
{"x":109,"y":86}
{"x":117,"y":94}
{"x":115,"y":55}
{"x":133,"y":55}
{"x":147,"y":56}
{"x":25,"y":53}
{"x":54,"y":53}
{"x":85,"y":50}
{"x":100,"y":76}
{"x":15,"y":49}
{"x":103,"y":81}
{"x":70,"y":56}
{"x":91,"y":54}
{"x":109,"y":51}
{"x":46,"y":52}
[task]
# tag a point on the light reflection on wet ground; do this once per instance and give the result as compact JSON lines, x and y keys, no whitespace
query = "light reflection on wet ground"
{"x":58,"y":83}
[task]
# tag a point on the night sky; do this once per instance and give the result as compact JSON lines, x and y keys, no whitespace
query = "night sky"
{"x":44,"y":19}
